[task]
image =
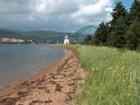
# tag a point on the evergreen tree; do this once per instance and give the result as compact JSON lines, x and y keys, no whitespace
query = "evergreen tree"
{"x":117,"y":35}
{"x":101,"y":34}
{"x":133,"y":35}
{"x":135,"y":10}
{"x":88,"y":40}
{"x":118,"y":27}
{"x":118,"y":11}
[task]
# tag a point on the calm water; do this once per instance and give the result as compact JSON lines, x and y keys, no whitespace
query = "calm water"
{"x":20,"y":61}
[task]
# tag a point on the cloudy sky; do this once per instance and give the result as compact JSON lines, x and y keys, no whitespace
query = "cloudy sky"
{"x":59,"y":15}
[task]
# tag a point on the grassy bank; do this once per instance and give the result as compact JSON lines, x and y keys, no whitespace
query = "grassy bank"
{"x":113,"y":76}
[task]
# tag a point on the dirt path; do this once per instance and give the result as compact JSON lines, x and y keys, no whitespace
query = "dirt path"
{"x":55,"y":86}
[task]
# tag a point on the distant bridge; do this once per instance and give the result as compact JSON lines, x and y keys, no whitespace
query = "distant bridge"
{"x":90,"y":29}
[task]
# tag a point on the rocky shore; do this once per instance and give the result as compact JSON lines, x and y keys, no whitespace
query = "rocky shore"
{"x":57,"y":85}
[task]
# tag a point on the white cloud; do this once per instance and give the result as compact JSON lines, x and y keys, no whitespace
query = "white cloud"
{"x":41,"y":7}
{"x":62,"y":15}
{"x":95,"y":8}
{"x":94,"y":13}
{"x":109,"y":9}
{"x":108,"y":17}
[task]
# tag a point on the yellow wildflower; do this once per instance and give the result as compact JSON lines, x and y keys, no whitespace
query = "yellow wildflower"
{"x":130,"y":86}
{"x":129,"y":94}
{"x":97,"y":68}
{"x":93,"y":69}
{"x":110,"y":68}
{"x":123,"y":68}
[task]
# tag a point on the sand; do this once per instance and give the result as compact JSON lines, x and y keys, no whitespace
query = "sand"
{"x":56,"y":85}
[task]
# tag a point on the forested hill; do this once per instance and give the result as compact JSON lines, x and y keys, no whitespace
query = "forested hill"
{"x":41,"y":36}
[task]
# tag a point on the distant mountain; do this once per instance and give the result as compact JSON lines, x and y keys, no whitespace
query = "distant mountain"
{"x":8,"y":33}
{"x":89,"y":29}
{"x":40,"y":36}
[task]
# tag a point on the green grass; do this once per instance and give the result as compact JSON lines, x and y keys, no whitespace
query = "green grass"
{"x":113,"y":76}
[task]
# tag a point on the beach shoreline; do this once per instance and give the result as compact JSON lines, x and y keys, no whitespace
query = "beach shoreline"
{"x":55,"y":85}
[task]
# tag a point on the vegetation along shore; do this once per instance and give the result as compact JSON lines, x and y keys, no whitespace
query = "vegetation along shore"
{"x":113,"y":76}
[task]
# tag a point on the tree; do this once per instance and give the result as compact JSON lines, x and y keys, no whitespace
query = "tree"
{"x":88,"y":40}
{"x":118,"y":26}
{"x":118,"y":11}
{"x":117,"y":35}
{"x":133,"y":35}
{"x":101,"y":34}
{"x":135,"y":10}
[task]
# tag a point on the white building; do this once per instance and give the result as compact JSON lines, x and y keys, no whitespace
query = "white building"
{"x":66,"y":40}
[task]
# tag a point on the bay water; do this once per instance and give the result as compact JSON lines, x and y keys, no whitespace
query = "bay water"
{"x":19,"y":61}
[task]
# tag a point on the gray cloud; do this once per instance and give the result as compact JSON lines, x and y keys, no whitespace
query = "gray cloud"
{"x":15,"y":7}
{"x":60,"y":15}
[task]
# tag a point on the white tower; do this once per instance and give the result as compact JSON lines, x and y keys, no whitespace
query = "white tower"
{"x":66,"y":40}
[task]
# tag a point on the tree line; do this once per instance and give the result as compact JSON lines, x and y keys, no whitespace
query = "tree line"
{"x":123,"y":31}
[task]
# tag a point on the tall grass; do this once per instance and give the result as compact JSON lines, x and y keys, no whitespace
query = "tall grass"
{"x":113,"y":76}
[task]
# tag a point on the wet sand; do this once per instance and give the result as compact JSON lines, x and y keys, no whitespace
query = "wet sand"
{"x":57,"y":85}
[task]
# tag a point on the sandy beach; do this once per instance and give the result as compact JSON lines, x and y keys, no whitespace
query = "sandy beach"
{"x":56,"y":85}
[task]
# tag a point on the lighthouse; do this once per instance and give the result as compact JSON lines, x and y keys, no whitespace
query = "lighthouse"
{"x":66,"y":40}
